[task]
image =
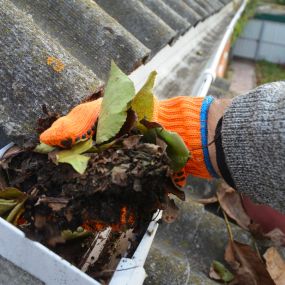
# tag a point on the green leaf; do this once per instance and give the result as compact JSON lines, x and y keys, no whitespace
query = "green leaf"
{"x":11,"y":200}
{"x":70,"y":235}
{"x":6,"y":205}
{"x":143,"y":103}
{"x":176,"y":148}
{"x":119,"y":92}
{"x":222,"y":271}
{"x":77,"y":161}
{"x":11,"y":193}
{"x":44,"y":148}
{"x":13,"y":214}
{"x":74,"y":156}
{"x":78,"y":148}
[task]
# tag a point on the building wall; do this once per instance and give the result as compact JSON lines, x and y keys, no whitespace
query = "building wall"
{"x":262,"y":40}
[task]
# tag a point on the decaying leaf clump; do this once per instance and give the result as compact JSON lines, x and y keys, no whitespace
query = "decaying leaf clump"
{"x":110,"y":183}
{"x":130,"y":176}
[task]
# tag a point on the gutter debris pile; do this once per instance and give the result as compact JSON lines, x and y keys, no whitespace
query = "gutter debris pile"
{"x":114,"y":181}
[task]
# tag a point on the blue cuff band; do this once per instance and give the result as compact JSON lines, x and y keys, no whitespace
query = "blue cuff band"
{"x":204,"y":134}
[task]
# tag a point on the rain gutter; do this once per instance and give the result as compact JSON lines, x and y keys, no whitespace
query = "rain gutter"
{"x":206,"y":79}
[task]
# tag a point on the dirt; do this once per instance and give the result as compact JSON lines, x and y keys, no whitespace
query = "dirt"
{"x":122,"y":188}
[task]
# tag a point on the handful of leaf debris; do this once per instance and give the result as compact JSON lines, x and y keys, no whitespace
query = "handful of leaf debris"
{"x":118,"y":179}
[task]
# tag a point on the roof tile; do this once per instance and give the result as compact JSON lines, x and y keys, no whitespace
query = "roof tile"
{"x":169,"y":16}
{"x":184,"y":10}
{"x":87,"y":32}
{"x":141,"y":22}
{"x":28,"y":81}
{"x":56,"y":52}
{"x":197,"y":8}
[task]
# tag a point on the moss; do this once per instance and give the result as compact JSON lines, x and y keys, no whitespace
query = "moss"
{"x":269,"y":72}
{"x":246,"y":16}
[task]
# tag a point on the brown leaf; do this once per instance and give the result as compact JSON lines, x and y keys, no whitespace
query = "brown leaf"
{"x":131,"y":141}
{"x":150,"y":125}
{"x":246,"y":264}
{"x":171,"y":212}
{"x":55,"y":203}
{"x":171,"y":188}
{"x":277,"y":236}
{"x":206,"y":201}
{"x":129,"y":123}
{"x":40,"y":221}
{"x":161,"y":143}
{"x":231,"y":203}
{"x":275,"y":265}
{"x":149,"y":148}
{"x":14,"y":150}
{"x":213,"y":274}
{"x":119,"y":175}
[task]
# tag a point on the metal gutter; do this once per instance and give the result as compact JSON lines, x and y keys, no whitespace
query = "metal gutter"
{"x":130,"y":271}
{"x":203,"y":84}
{"x":169,"y":57}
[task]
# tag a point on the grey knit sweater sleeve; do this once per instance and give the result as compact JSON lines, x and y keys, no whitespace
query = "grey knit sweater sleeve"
{"x":253,"y":138}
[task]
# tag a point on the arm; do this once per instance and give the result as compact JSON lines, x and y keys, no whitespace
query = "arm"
{"x":253,"y":142}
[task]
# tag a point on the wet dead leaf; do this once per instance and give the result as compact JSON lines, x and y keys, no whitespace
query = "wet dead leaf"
{"x":150,"y":125}
{"x":14,"y":150}
{"x":275,"y":265}
{"x":277,"y":237}
{"x":171,"y":188}
{"x":171,"y":212}
{"x":131,"y":141}
{"x":40,"y":221}
{"x":206,"y":201}
{"x":128,"y":125}
{"x":119,"y":175}
{"x":231,"y":203}
{"x":56,"y":204}
{"x":246,"y":264}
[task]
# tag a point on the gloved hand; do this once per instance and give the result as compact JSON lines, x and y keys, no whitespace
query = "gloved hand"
{"x":185,"y":115}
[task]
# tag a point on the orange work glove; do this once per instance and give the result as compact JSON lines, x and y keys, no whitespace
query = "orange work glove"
{"x":78,"y":124}
{"x":185,"y":115}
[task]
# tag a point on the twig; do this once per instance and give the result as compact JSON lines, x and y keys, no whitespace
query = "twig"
{"x":229,"y":229}
{"x":257,"y":250}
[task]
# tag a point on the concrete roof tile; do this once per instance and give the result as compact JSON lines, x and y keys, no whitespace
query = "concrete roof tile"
{"x":184,"y":10}
{"x":197,"y":8}
{"x":169,"y":16}
{"x":138,"y":19}
{"x":87,"y":32}
{"x":81,"y":38}
{"x":28,"y":81}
